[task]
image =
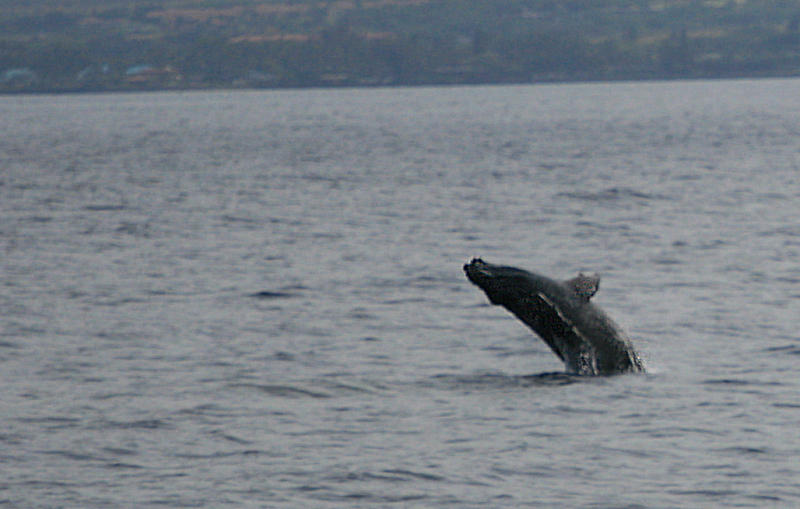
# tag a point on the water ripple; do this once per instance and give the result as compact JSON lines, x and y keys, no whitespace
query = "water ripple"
{"x":284,"y":391}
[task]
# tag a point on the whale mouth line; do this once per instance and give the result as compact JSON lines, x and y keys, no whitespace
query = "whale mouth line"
{"x":476,"y":267}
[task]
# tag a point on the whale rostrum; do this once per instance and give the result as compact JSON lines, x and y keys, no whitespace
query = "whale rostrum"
{"x":578,"y":331}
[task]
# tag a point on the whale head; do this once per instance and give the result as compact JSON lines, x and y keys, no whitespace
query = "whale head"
{"x":502,"y":284}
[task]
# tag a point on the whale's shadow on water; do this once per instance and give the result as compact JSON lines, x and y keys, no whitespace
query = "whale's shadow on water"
{"x":500,"y":381}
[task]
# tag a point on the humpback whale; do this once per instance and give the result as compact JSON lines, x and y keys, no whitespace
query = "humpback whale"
{"x":580,"y":333}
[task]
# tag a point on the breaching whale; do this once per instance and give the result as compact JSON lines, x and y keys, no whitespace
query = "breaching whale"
{"x":579,"y":332}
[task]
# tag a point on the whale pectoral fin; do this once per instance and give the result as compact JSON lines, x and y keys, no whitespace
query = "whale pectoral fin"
{"x":584,"y":286}
{"x":543,"y":316}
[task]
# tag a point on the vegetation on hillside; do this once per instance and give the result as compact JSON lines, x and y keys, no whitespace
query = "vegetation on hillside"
{"x":72,"y":45}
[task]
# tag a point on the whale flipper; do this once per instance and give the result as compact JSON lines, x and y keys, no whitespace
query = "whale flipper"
{"x":560,"y":334}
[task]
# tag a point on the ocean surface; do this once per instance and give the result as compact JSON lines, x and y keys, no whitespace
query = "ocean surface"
{"x":256,"y":298}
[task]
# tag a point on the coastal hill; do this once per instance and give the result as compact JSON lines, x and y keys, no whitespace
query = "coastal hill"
{"x":95,"y":45}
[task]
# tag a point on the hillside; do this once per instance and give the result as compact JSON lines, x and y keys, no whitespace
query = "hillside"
{"x":74,"y":45}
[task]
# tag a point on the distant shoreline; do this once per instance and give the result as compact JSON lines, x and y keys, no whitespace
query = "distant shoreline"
{"x":94,"y":47}
{"x":356,"y":85}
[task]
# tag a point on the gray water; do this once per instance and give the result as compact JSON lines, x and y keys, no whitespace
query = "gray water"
{"x":256,"y":298}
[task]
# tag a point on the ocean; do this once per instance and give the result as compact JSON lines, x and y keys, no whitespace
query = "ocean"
{"x":256,"y":298}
